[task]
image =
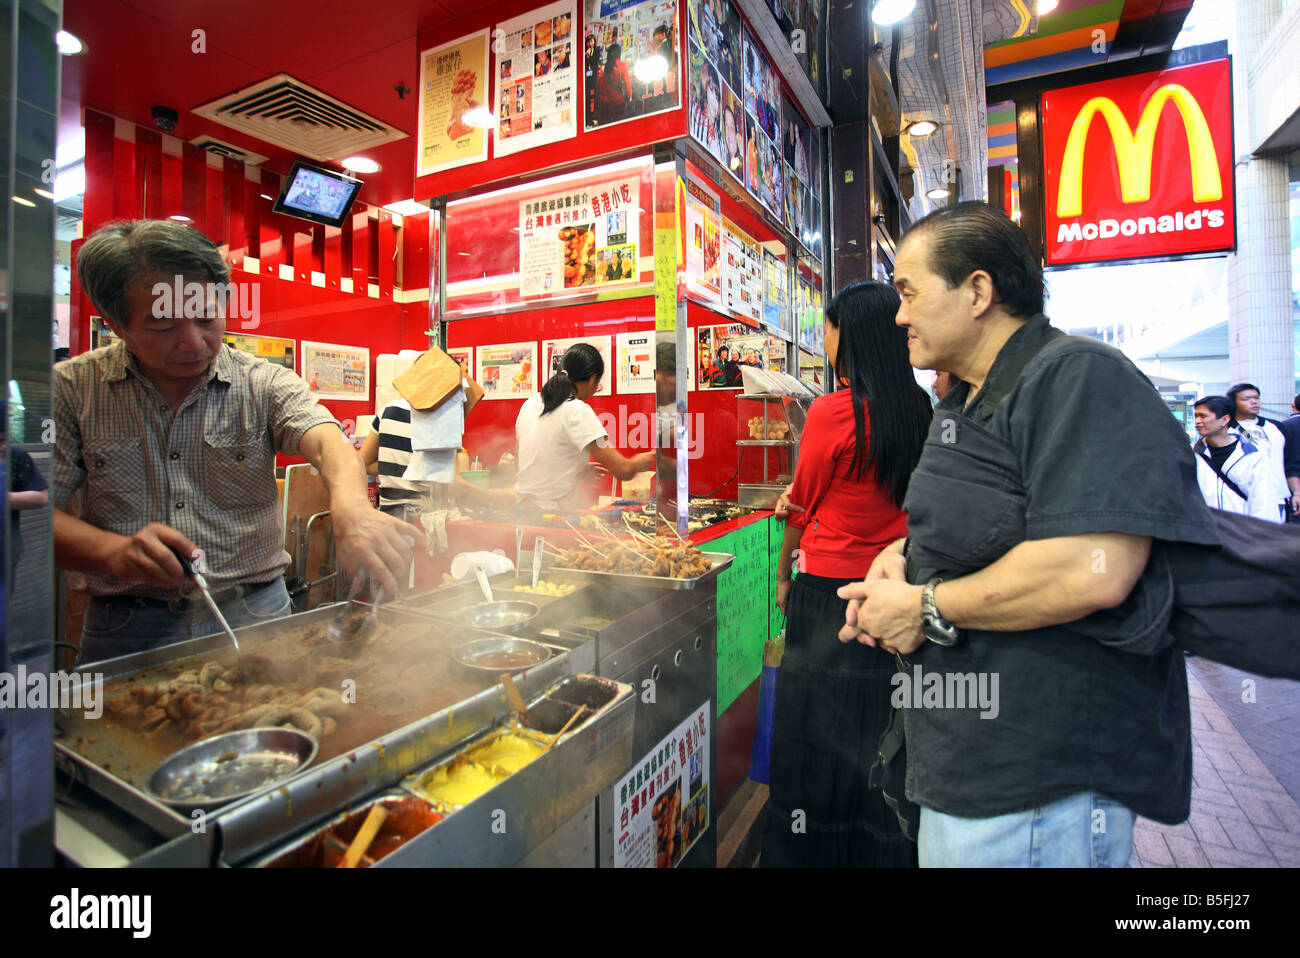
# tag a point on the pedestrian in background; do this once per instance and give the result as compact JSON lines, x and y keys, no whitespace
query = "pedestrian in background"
{"x":1232,"y":473}
{"x":1264,"y":436}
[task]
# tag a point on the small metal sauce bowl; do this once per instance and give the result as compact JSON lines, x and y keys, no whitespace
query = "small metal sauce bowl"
{"x":225,"y":768}
{"x":471,"y":653}
{"x":500,"y":616}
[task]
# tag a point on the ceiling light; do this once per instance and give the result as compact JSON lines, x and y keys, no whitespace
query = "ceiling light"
{"x":23,"y":200}
{"x":44,"y":194}
{"x":180,"y":219}
{"x":922,"y":128}
{"x":406,"y":208}
{"x":1046,"y":6}
{"x":888,"y":12}
{"x":68,"y":44}
{"x":265,"y":197}
{"x":480,"y":117}
{"x":650,"y":69}
{"x":70,"y":182}
{"x":938,"y":193}
{"x":361,"y":164}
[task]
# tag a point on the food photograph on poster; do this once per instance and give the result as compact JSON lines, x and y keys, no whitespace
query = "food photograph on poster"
{"x":630,"y":60}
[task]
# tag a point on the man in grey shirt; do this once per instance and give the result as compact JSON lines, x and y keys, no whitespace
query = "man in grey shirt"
{"x":170,"y":438}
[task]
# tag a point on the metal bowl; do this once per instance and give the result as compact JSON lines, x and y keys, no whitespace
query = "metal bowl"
{"x":500,"y":616}
{"x":222,"y":769}
{"x":499,"y":653}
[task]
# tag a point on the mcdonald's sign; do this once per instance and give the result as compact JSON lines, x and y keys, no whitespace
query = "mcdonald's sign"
{"x":1140,"y":167}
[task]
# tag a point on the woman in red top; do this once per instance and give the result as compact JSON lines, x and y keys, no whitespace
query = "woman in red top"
{"x":614,"y":91}
{"x":858,"y":450}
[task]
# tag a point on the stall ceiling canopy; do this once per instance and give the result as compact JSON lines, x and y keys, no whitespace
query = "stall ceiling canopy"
{"x":1019,"y":44}
{"x":186,"y":54}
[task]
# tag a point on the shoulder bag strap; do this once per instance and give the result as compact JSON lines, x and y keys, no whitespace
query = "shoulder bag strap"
{"x":1219,"y":472}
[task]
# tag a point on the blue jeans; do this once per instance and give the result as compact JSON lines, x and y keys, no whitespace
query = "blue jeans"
{"x":123,"y":625}
{"x":1085,"y":830}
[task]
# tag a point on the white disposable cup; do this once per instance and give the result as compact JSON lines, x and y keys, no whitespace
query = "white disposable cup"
{"x":492,"y":563}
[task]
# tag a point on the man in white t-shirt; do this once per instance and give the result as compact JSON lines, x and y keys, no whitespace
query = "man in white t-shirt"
{"x":557,"y":431}
{"x":1264,"y":435}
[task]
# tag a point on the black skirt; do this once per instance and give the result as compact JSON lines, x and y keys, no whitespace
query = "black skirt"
{"x":832,"y":706}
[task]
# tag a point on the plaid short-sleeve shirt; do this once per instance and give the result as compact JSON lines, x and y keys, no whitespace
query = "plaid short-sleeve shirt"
{"x":207,"y":470}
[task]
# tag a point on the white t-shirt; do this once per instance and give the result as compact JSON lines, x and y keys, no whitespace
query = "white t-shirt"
{"x":553,"y":449}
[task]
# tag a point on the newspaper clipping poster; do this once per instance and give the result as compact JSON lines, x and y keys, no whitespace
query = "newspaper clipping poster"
{"x":553,"y":351}
{"x":454,"y":116}
{"x":537,"y":78}
{"x":579,"y":237}
{"x":507,"y":371}
{"x":661,"y":807}
{"x":635,"y":362}
{"x":336,"y":372}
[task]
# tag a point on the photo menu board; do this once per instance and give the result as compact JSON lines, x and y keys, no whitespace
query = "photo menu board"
{"x":536,"y":78}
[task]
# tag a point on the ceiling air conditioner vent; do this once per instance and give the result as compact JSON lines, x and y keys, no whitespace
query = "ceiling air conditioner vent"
{"x":289,"y":114}
{"x":211,"y":144}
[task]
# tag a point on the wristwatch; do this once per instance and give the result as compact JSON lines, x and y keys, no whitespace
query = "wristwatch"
{"x":934,"y":626}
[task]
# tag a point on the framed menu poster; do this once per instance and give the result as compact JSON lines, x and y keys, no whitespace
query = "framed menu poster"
{"x":536,"y":99}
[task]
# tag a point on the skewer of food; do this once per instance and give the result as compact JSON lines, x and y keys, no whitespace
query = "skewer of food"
{"x":660,"y":557}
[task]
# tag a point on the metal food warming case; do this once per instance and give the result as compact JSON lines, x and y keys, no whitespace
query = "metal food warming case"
{"x":628,"y":662}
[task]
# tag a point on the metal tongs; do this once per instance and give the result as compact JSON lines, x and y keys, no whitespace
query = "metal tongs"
{"x":200,"y":583}
{"x":350,"y":625}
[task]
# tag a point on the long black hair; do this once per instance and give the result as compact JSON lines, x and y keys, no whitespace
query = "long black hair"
{"x":581,"y":361}
{"x":872,"y":356}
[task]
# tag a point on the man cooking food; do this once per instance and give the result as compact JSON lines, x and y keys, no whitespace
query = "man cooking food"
{"x":170,"y":439}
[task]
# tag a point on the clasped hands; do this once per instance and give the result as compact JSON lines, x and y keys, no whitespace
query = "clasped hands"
{"x":884,"y":609}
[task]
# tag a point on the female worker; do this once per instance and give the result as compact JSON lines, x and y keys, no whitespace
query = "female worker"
{"x":557,"y":431}
{"x":858,"y":450}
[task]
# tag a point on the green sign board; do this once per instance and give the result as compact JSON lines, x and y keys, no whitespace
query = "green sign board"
{"x":746,"y":616}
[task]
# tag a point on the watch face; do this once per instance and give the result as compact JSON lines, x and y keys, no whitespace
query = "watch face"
{"x":940,"y":636}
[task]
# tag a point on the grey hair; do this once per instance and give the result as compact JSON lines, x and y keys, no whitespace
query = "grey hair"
{"x":124,"y":250}
{"x":666,"y":357}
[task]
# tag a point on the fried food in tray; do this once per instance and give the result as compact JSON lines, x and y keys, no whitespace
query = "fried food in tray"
{"x":218,"y":698}
{"x":296,"y":680}
{"x":666,"y":558}
{"x":579,"y":255}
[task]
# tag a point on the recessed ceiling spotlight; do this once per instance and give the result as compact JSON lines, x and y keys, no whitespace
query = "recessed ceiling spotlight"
{"x":44,"y":194}
{"x":886,"y":13}
{"x":179,"y":218}
{"x":938,"y":193}
{"x":23,"y":201}
{"x":68,"y":44}
{"x":361,"y":164}
{"x":922,"y":128}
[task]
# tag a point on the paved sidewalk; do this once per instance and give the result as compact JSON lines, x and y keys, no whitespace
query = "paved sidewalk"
{"x":1242,"y":815}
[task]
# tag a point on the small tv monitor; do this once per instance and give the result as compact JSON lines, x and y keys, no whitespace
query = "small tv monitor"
{"x":317,"y":194}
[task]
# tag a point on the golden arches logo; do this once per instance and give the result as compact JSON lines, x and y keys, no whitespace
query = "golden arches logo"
{"x":1133,"y":151}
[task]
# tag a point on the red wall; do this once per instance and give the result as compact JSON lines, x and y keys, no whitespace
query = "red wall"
{"x":490,"y":428}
